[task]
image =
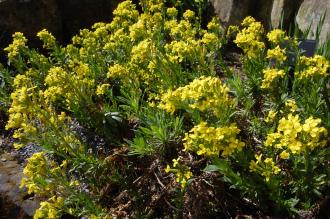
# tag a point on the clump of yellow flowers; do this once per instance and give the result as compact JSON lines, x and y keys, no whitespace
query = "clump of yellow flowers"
{"x":291,"y":105}
{"x":50,"y":209}
{"x":297,"y":137}
{"x":277,"y":54}
{"x":49,"y":41}
{"x":18,"y":44}
{"x":203,"y":94}
{"x":277,"y":36}
{"x":265,"y":167}
{"x":250,"y":37}
{"x":181,"y":171}
{"x":271,"y":76}
{"x":39,"y":168}
{"x":211,"y":141}
{"x":271,"y":116}
{"x":313,"y":66}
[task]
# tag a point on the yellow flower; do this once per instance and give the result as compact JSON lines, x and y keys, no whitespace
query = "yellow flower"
{"x":172,"y":12}
{"x":117,"y":71}
{"x":50,"y":209}
{"x":276,"y":36}
{"x":49,"y":41}
{"x":210,"y":141}
{"x":292,"y":105}
{"x":18,"y":44}
{"x":295,"y":137}
{"x":181,"y":171}
{"x":265,"y":168}
{"x":277,"y":53}
{"x":248,"y":21}
{"x":313,"y":66}
{"x":175,"y":162}
{"x":101,"y":89}
{"x":168,"y":168}
{"x":189,"y":15}
{"x":232,"y":30}
{"x":284,"y":155}
{"x":270,"y":117}
{"x":210,"y":39}
{"x":214,"y":26}
{"x":249,"y":39}
{"x":270,"y":76}
{"x":205,"y":93}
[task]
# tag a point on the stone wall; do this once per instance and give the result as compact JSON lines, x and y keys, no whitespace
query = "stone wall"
{"x":274,"y":12}
{"x":310,"y":13}
{"x":63,"y":18}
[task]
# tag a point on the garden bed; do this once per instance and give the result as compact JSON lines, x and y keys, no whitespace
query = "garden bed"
{"x":150,"y":116}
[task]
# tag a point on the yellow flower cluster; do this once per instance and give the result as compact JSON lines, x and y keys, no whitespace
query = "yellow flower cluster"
{"x":102,"y":89}
{"x":249,"y":38}
{"x":117,"y":71}
{"x":291,"y":105}
{"x":271,"y":116}
{"x":34,"y":119}
{"x":19,"y":113}
{"x":50,"y":209}
{"x":181,"y":50}
{"x":265,"y":168}
{"x":270,"y":76}
{"x":313,"y":66}
{"x":180,"y":30}
{"x":172,"y":12}
{"x":181,"y":171}
{"x":277,"y":53}
{"x":39,"y":168}
{"x":214,"y":27}
{"x":18,"y":44}
{"x":75,"y":87}
{"x":296,"y":137}
{"x":35,"y":169}
{"x":205,"y":93}
{"x":124,"y":15}
{"x":210,"y":141}
{"x":276,"y":36}
{"x":49,"y":41}
{"x":138,"y":44}
{"x":232,"y":31}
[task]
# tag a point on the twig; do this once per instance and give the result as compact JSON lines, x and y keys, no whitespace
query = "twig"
{"x":171,"y":206}
{"x":158,"y":180}
{"x":135,"y":181}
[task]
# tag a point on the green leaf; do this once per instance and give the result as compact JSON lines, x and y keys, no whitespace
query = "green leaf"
{"x":211,"y":168}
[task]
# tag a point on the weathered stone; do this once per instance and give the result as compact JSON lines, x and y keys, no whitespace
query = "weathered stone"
{"x":284,"y":9}
{"x":13,"y":203}
{"x":309,"y":15}
{"x":231,"y":11}
{"x":234,"y":11}
{"x":78,"y":14}
{"x":63,"y":18}
{"x":29,"y":17}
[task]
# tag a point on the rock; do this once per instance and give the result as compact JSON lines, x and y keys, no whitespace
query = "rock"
{"x":29,"y":17}
{"x":63,"y":18}
{"x":234,"y":11}
{"x":310,"y":13}
{"x":78,"y":14}
{"x":13,"y":201}
{"x":284,"y":9}
{"x":231,"y":11}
